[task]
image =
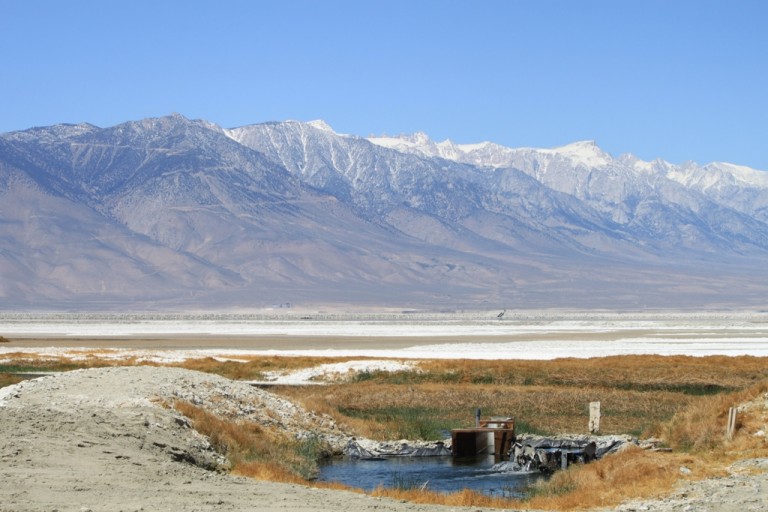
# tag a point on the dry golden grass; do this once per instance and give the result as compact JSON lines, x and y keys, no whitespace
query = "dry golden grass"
{"x":636,"y":392}
{"x":30,"y":362}
{"x":253,"y":450}
{"x":684,"y":400}
{"x":701,"y":427}
{"x":6,"y":379}
{"x":667,"y":396}
{"x":253,"y":367}
{"x":464,"y":498}
{"x":247,"y":368}
{"x":271,"y":471}
{"x":536,"y":408}
{"x":638,"y":372}
{"x":234,"y":439}
{"x":634,"y":473}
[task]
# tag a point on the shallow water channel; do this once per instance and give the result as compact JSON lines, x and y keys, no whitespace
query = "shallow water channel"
{"x":441,"y":474}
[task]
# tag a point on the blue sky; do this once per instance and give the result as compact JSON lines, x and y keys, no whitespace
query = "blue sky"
{"x":679,"y":80}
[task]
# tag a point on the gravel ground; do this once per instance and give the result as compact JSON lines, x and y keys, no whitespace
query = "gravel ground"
{"x":100,"y":440}
{"x":745,"y":489}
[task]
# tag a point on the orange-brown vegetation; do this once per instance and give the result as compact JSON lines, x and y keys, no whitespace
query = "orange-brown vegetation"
{"x":383,"y":410}
{"x":683,"y":400}
{"x":31,"y":362}
{"x":463,"y":498}
{"x":698,"y":375}
{"x":636,"y":392}
{"x":633,"y":473}
{"x":636,"y":473}
{"x":254,"y":367}
{"x":245,"y":368}
{"x":253,"y":450}
{"x":700,"y":427}
{"x":8,"y":379}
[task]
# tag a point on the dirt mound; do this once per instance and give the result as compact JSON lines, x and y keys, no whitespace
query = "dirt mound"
{"x":101,"y":439}
{"x":104,"y":439}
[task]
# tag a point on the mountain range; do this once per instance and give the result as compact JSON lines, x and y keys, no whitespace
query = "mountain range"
{"x":173,"y":213}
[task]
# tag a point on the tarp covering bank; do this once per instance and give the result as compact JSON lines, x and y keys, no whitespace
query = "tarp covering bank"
{"x":366,"y":449}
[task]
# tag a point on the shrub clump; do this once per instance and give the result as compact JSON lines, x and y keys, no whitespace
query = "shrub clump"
{"x":701,"y":426}
{"x":256,"y":451}
{"x":7,"y":379}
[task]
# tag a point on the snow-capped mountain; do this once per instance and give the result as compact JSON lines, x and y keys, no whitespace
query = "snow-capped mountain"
{"x":687,"y":204}
{"x":176,"y":213}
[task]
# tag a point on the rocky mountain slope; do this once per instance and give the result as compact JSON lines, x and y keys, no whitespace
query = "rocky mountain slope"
{"x":175,"y":213}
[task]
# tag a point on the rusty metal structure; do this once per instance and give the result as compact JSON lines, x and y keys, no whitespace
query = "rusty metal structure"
{"x":494,"y":436}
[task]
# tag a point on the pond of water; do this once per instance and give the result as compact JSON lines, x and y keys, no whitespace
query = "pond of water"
{"x":441,"y":474}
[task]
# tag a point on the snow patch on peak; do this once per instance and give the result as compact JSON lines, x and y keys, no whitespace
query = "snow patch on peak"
{"x":418,"y":138}
{"x":582,"y":144}
{"x":646,"y":167}
{"x":467,"y":148}
{"x":585,"y":152}
{"x":321,"y":125}
{"x":417,"y":143}
{"x":211,"y":126}
{"x":467,"y":153}
{"x":404,"y":139}
{"x":746,"y":175}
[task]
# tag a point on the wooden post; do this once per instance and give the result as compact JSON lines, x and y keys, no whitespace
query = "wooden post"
{"x":594,"y":417}
{"x":731,"y":428}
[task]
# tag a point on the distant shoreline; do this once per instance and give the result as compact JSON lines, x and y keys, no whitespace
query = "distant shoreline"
{"x":164,"y":348}
{"x":476,"y":335}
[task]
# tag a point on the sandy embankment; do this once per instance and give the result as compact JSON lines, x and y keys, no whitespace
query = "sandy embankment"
{"x":99,"y":440}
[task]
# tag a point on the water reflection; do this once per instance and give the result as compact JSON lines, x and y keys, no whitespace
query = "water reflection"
{"x":441,"y":474}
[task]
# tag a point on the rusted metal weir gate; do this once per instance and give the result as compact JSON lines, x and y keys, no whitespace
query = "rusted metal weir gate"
{"x":489,"y":437}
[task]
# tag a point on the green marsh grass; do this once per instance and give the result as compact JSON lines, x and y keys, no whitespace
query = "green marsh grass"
{"x":683,"y":400}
